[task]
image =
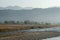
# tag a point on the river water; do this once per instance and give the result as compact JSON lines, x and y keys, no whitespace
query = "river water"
{"x":54,"y":38}
{"x":33,"y":30}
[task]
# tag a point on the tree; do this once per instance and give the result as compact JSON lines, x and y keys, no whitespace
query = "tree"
{"x":18,"y":22}
{"x":47,"y":23}
{"x":27,"y":22}
{"x":6,"y":22}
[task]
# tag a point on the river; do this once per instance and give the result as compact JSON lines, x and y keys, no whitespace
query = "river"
{"x":57,"y":29}
{"x":54,"y":38}
{"x":33,"y":30}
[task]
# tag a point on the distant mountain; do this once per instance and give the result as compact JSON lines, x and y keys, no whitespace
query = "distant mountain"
{"x":2,"y":8}
{"x":28,"y":8}
{"x":37,"y":14}
{"x":15,"y":8}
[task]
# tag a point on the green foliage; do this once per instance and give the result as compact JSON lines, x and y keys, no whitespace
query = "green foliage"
{"x":6,"y":22}
{"x":9,"y":22}
{"x":48,"y":23}
{"x":26,"y":22}
{"x":17,"y":22}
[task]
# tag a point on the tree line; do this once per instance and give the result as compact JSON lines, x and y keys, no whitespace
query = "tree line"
{"x":24,"y":22}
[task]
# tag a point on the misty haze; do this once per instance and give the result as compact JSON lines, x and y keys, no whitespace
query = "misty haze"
{"x":29,"y":20}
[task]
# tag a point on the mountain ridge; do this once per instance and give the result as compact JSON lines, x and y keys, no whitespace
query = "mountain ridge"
{"x":15,"y":8}
{"x":36,"y":14}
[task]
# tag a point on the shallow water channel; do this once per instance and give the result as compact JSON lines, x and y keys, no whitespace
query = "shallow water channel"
{"x":54,"y":38}
{"x":33,"y":30}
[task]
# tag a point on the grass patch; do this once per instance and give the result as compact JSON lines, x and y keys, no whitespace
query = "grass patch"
{"x":11,"y":27}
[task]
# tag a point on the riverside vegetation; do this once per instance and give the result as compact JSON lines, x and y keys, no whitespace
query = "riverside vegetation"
{"x":16,"y":25}
{"x":7,"y":26}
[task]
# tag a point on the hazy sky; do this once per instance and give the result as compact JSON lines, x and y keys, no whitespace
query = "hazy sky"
{"x":30,"y":3}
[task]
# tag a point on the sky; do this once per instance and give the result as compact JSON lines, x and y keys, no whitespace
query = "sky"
{"x":30,"y":3}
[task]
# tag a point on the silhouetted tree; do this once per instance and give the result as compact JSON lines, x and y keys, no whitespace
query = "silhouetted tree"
{"x":26,"y":22}
{"x":47,"y":23}
{"x":6,"y":22}
{"x":17,"y":22}
{"x":11,"y":22}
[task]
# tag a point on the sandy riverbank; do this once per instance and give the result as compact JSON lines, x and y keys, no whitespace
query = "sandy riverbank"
{"x":29,"y":36}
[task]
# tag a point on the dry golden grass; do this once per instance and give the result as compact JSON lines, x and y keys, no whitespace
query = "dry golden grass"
{"x":11,"y":27}
{"x":26,"y":35}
